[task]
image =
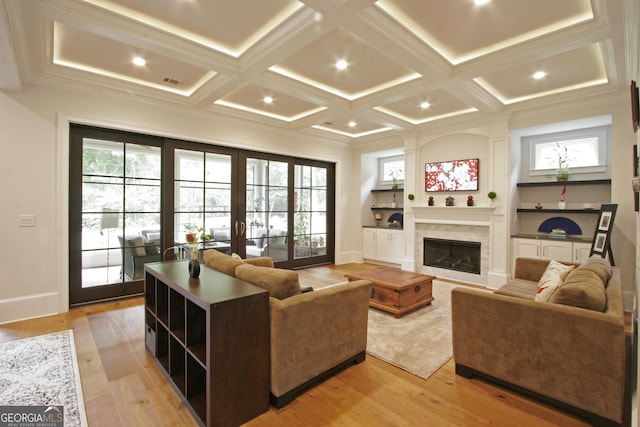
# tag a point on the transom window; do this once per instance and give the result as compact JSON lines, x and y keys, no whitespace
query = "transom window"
{"x":584,"y":150}
{"x":390,"y":168}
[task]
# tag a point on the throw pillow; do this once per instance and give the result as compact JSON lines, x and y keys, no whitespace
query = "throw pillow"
{"x":553,"y":276}
{"x":262,"y":261}
{"x":280,"y":283}
{"x":221,"y":262}
{"x":138,"y":246}
{"x":582,"y":288}
{"x":600,"y":266}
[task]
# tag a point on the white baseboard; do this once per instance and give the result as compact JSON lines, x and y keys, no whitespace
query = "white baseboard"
{"x":28,"y":307}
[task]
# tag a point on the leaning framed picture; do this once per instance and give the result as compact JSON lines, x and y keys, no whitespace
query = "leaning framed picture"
{"x":600,"y":243}
{"x":605,"y":221}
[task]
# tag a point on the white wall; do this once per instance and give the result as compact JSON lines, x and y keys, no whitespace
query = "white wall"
{"x":33,"y":173}
{"x":34,"y":165}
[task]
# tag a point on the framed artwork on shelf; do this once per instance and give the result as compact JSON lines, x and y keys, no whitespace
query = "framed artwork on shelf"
{"x":605,"y":221}
{"x":601,"y":244}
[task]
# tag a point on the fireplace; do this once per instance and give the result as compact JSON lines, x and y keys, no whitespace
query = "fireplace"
{"x":452,"y":255}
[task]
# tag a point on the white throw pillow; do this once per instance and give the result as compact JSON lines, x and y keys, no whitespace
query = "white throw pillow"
{"x":553,"y":277}
{"x":138,"y":244}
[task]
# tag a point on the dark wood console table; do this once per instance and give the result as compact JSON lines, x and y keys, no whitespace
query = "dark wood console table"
{"x":211,"y":337}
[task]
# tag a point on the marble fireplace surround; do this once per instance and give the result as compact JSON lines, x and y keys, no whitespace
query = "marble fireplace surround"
{"x":472,"y":224}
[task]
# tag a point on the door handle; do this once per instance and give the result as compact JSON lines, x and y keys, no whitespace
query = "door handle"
{"x":235,"y":225}
{"x":243,"y":227}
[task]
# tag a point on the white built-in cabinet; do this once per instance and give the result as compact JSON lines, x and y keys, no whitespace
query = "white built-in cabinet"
{"x":559,"y":250}
{"x":383,"y":244}
{"x":369,"y":243}
{"x":581,"y":251}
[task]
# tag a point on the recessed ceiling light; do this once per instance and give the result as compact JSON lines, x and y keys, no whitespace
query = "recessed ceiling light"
{"x":268,"y":99}
{"x":424,"y":105}
{"x":481,"y":2}
{"x":539,"y":75}
{"x":139,"y":61}
{"x":341,"y":64}
{"x":352,"y":124}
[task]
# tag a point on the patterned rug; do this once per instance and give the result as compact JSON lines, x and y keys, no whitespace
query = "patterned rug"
{"x":43,"y":371}
{"x":419,"y":342}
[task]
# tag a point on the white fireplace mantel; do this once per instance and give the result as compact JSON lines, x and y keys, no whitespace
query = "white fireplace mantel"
{"x":462,"y":215}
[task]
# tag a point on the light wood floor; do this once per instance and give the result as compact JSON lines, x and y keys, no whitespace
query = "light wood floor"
{"x":122,"y":385}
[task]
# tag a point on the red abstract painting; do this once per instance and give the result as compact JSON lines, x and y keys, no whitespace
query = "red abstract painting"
{"x":454,"y":175}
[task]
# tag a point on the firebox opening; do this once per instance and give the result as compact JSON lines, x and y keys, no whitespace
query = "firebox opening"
{"x":452,"y":255}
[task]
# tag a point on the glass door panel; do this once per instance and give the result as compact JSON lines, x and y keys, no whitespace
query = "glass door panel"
{"x":202,"y":198}
{"x":117,"y":220}
{"x":267,"y":198}
{"x":310,"y":211}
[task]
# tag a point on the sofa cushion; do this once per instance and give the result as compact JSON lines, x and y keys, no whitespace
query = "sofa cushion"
{"x":553,"y":276}
{"x":261,"y":261}
{"x":221,"y":262}
{"x":583,"y":288}
{"x":518,"y":288}
{"x":280,"y":283}
{"x":600,"y":266}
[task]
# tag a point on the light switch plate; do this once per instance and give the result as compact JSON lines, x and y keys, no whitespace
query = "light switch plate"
{"x":26,"y":220}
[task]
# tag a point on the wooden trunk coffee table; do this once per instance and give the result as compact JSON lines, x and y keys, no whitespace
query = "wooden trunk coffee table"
{"x":396,"y":291}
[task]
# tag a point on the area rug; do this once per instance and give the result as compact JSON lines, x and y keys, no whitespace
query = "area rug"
{"x":420,"y":341}
{"x":43,"y":371}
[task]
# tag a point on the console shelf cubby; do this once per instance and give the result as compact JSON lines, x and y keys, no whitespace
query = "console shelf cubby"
{"x":210,"y":336}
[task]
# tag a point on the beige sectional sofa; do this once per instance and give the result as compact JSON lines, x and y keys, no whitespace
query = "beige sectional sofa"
{"x":567,"y":355}
{"x":313,"y":334}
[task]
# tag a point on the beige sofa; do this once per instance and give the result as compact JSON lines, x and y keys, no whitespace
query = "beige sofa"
{"x":569,"y":356}
{"x":313,"y":334}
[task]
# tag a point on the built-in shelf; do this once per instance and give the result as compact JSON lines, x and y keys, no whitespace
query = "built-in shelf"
{"x":562,"y":183}
{"x":572,"y":211}
{"x":183,"y":320}
{"x":400,"y":209}
{"x":386,"y":190}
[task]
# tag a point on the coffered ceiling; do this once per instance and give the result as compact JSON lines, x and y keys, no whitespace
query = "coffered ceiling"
{"x":408,"y":63}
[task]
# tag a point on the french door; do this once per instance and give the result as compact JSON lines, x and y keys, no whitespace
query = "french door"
{"x":115,"y":212}
{"x":251,"y":204}
{"x":134,"y":199}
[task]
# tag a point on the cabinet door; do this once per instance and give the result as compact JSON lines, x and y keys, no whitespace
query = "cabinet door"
{"x":369,"y":243}
{"x":383,"y":245}
{"x":396,"y":246}
{"x":526,"y":248}
{"x":559,"y":251}
{"x":390,"y":246}
{"x":581,"y":251}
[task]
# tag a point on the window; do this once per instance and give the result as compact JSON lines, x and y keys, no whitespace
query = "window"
{"x":586,"y":152}
{"x":390,"y":168}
